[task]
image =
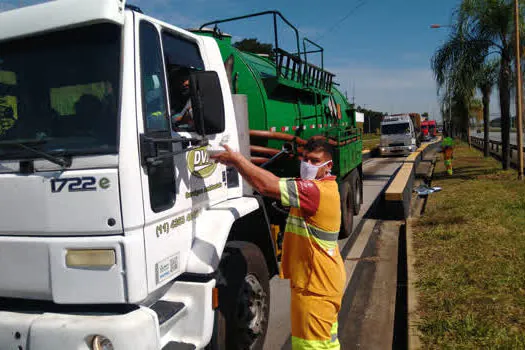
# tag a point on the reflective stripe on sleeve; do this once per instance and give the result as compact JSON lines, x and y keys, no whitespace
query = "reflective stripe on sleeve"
{"x":293,"y":193}
{"x":289,"y":193}
{"x":285,"y":197}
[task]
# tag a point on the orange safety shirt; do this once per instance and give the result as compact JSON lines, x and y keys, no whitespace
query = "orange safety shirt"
{"x":310,"y":254}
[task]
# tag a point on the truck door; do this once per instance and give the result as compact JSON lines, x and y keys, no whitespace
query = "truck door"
{"x":201,"y":181}
{"x":178,"y":188}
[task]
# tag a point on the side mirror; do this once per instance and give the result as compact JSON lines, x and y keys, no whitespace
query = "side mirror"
{"x":207,"y":103}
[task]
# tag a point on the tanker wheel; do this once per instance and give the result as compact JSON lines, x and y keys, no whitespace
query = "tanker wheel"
{"x":244,"y":299}
{"x":347,"y":208}
{"x":357,"y":191}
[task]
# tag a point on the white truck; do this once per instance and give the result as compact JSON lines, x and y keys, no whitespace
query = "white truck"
{"x":398,"y":135}
{"x":116,"y":229}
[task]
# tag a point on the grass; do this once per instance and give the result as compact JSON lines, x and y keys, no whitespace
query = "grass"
{"x":370,"y":141}
{"x":470,"y":257}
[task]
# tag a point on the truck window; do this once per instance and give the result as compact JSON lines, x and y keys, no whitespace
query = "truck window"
{"x":391,"y":129}
{"x":62,"y":88}
{"x":153,"y":91}
{"x":181,"y":56}
{"x":161,"y":179}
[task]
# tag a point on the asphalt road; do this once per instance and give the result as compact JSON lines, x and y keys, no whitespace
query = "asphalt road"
{"x":377,"y":173}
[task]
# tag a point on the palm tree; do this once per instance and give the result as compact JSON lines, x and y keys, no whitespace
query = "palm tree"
{"x":483,"y":29}
{"x":486,"y":79}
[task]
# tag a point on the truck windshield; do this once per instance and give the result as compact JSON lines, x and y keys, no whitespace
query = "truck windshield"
{"x":390,"y":129}
{"x":61,"y":88}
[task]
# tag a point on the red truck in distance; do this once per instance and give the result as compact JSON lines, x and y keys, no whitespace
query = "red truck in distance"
{"x":428,"y":129}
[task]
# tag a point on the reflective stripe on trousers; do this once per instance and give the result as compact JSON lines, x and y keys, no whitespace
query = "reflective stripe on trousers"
{"x":314,"y":321}
{"x":332,"y":344}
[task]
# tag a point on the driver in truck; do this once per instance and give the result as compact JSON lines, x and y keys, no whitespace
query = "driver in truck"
{"x":183,"y":119}
{"x":311,"y":259}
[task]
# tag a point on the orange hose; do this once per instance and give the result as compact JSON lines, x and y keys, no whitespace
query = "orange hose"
{"x":263,"y":150}
{"x":273,"y":135}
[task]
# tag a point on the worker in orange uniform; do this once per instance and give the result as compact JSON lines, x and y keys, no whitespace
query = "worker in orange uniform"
{"x":447,"y":147}
{"x":311,"y":257}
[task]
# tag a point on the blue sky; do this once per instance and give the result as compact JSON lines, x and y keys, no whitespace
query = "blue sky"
{"x":383,"y":47}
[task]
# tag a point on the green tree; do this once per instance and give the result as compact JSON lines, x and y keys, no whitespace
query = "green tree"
{"x":254,"y":46}
{"x":483,"y":29}
{"x":486,"y":79}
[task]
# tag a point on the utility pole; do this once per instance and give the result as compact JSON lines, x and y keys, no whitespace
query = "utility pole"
{"x":519,"y":120}
{"x":353,"y":93}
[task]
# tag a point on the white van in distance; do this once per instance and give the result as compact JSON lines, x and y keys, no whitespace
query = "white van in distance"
{"x":397,"y":135}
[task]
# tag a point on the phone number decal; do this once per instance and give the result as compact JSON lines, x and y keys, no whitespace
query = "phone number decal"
{"x":165,"y":227}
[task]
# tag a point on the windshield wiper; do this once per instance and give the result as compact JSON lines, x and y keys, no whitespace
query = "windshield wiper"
{"x":63,"y":162}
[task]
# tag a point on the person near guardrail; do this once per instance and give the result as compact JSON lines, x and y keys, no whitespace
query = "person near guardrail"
{"x":310,"y":256}
{"x":447,"y":148}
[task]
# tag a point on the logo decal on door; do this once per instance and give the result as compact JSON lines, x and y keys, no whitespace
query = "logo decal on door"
{"x":200,"y":164}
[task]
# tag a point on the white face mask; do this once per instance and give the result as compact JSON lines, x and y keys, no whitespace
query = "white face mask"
{"x":309,"y":171}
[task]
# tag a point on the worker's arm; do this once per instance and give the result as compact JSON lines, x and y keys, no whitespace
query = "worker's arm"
{"x":261,"y":180}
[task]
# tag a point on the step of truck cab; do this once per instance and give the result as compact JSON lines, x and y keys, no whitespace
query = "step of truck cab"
{"x":167,"y":310}
{"x":178,"y":346}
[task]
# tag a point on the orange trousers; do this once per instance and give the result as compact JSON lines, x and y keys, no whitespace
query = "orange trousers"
{"x":314,"y":320}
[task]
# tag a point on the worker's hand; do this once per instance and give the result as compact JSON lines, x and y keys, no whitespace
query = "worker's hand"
{"x":228,"y":157}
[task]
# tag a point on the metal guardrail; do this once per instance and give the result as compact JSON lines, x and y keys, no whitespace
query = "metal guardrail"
{"x":494,"y":146}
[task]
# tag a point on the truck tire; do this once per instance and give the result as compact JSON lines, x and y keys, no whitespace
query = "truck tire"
{"x":357,"y":192}
{"x":244,"y":299}
{"x":347,"y":208}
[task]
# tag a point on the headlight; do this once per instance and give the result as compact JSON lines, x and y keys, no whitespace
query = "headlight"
{"x":101,"y":343}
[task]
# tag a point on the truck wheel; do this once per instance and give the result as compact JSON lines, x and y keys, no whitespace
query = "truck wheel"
{"x":244,"y":298}
{"x":357,"y":191}
{"x":347,"y":208}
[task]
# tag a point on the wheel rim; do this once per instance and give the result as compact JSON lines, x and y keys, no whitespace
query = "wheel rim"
{"x":251,"y":311}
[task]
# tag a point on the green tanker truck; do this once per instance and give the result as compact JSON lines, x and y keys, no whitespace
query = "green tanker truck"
{"x":290,"y":100}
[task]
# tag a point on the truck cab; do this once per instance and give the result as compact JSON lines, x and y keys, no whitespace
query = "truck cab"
{"x":115,"y":225}
{"x":398,"y":136}
{"x":428,"y":130}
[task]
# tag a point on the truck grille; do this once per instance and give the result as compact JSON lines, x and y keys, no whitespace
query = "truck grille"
{"x":396,"y":144}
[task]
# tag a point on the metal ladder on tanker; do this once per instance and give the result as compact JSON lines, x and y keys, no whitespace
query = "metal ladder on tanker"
{"x":292,"y":67}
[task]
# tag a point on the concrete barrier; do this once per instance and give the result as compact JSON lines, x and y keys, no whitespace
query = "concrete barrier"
{"x":398,"y":195}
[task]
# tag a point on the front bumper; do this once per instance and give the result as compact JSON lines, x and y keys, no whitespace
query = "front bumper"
{"x":387,"y":151}
{"x":41,"y":325}
{"x":137,"y":329}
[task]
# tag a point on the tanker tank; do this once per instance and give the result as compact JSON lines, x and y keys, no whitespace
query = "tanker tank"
{"x":290,"y":100}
